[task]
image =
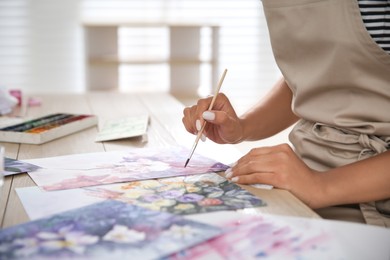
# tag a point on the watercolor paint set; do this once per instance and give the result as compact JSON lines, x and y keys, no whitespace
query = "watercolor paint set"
{"x":46,"y":128}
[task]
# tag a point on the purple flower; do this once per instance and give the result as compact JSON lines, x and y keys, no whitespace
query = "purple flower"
{"x":151,"y":197}
{"x":172,"y":194}
{"x":191,"y":197}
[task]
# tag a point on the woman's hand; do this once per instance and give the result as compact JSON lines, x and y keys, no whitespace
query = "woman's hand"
{"x":223,"y":124}
{"x":281,"y":167}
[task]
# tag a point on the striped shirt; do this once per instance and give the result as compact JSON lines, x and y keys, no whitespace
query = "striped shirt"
{"x":376,"y":17}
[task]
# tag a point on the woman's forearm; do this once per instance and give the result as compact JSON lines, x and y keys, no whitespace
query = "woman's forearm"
{"x":362,"y":181}
{"x":271,"y":115}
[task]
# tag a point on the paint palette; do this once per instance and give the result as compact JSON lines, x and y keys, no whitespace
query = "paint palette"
{"x":46,"y":128}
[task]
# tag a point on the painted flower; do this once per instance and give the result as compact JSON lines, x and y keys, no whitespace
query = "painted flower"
{"x":169,"y":185}
{"x":184,"y":207}
{"x":122,"y":234}
{"x":208,"y":179}
{"x":210,"y":202}
{"x":191,"y":197}
{"x":29,"y":246}
{"x":213,"y":192}
{"x":191,"y":188}
{"x":172,"y":194}
{"x":129,"y":185}
{"x":173,"y":180}
{"x":165,"y":203}
{"x":151,"y":197}
{"x":181,"y":232}
{"x":241,"y":198}
{"x":73,"y":241}
{"x":61,"y":233}
{"x":65,"y":238}
{"x":149,"y":184}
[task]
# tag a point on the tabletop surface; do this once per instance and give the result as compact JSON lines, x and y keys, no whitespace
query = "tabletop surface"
{"x":165,"y":130}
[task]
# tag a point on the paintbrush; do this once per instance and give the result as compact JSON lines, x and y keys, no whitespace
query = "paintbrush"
{"x":204,"y":123}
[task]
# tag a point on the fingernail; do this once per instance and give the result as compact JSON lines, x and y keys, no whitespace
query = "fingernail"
{"x":228,"y":173}
{"x":198,"y":125}
{"x":234,"y":179}
{"x":208,"y":115}
{"x":203,"y":138}
{"x":233,"y":164}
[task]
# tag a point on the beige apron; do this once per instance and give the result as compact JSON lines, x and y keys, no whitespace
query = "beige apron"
{"x":340,"y":79}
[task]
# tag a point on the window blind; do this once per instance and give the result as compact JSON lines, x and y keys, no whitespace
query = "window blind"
{"x":13,"y":43}
{"x":42,"y":45}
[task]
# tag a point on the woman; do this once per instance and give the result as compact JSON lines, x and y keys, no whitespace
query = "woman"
{"x":336,"y":88}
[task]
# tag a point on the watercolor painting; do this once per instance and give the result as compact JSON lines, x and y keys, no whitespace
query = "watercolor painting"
{"x":12,"y":166}
{"x":107,"y":230}
{"x":253,"y":235}
{"x":260,"y":238}
{"x":179,"y":195}
{"x":83,"y":170}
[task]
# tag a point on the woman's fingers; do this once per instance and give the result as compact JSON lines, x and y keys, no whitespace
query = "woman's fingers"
{"x":268,"y":165}
{"x":255,"y":178}
{"x":223,"y":124}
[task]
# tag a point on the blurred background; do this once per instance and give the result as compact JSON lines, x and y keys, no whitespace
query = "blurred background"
{"x":176,"y":46}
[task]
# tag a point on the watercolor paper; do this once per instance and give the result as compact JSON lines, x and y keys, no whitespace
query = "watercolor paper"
{"x":179,"y":195}
{"x":83,"y":170}
{"x":121,"y":128}
{"x":107,"y":230}
{"x":40,"y":204}
{"x":262,"y":236}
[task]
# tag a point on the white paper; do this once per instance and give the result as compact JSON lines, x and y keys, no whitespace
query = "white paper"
{"x":121,"y":128}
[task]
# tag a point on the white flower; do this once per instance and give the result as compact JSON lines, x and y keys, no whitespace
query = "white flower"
{"x":74,"y":241}
{"x":181,"y":232}
{"x":51,"y":235}
{"x":29,"y":246}
{"x":66,"y":239}
{"x":122,"y":234}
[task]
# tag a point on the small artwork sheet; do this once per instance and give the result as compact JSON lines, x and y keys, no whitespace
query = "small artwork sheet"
{"x":107,"y":230}
{"x":12,"y":166}
{"x":121,"y":128}
{"x":179,"y":195}
{"x":83,"y":170}
{"x":262,"y":236}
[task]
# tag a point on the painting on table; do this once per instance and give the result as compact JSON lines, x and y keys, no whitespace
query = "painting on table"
{"x":253,"y":235}
{"x":181,"y":195}
{"x":259,"y":238}
{"x":83,"y":170}
{"x":12,"y":166}
{"x":106,"y":230}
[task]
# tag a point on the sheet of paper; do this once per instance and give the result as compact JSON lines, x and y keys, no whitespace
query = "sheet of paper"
{"x":106,"y":230}
{"x":91,"y":169}
{"x":12,"y":166}
{"x":179,"y":195}
{"x":121,"y":128}
{"x":253,"y":235}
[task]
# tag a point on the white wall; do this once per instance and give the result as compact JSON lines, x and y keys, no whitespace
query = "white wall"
{"x":56,"y":46}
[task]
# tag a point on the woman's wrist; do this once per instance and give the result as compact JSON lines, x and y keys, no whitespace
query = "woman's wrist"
{"x":243,"y":136}
{"x":320,"y":191}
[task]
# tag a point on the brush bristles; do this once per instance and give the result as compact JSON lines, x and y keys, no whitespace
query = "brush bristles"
{"x":185,"y":165}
